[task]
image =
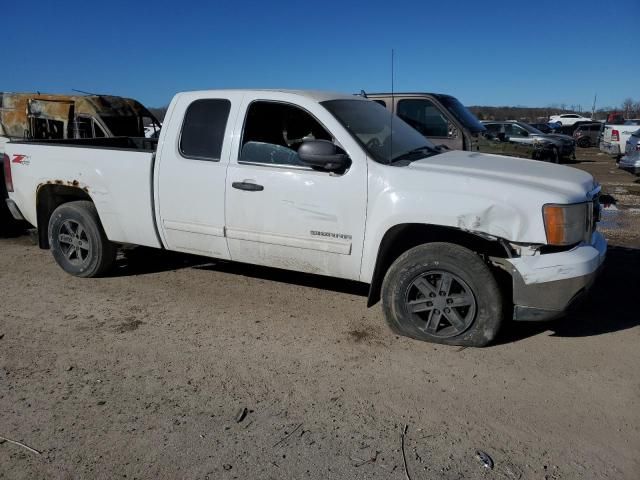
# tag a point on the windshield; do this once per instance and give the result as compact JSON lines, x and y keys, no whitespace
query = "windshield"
{"x":384,"y":136}
{"x":531,"y":129}
{"x":462,"y":113}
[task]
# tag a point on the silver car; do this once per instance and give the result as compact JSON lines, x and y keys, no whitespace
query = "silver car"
{"x":631,"y":159}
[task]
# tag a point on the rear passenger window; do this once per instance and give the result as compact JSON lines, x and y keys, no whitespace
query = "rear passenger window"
{"x":203,"y":129}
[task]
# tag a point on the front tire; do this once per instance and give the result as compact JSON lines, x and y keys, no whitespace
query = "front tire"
{"x":78,"y":242}
{"x":442,"y":293}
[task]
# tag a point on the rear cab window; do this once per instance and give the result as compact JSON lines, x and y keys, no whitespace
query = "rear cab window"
{"x":203,"y":129}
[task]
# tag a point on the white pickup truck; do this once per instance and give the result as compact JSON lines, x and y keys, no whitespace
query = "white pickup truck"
{"x":614,"y":137}
{"x":454,"y":242}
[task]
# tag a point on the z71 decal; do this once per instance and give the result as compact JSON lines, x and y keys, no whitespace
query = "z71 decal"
{"x":21,"y":159}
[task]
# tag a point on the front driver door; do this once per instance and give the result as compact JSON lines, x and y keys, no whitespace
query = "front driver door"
{"x":281,"y":213}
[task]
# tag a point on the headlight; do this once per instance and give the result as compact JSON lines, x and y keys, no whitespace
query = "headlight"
{"x":567,"y":224}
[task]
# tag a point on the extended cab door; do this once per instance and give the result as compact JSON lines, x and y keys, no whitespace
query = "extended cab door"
{"x":190,"y":171}
{"x":280,"y":212}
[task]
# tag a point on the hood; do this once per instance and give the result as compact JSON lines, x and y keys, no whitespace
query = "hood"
{"x":568,"y":184}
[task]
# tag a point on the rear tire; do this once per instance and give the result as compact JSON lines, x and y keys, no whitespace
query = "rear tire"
{"x":555,"y":155}
{"x":78,"y":242}
{"x":442,"y":293}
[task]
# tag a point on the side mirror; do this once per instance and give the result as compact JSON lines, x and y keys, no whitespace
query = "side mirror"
{"x":323,"y":154}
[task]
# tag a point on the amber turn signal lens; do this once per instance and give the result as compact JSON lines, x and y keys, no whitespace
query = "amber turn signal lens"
{"x":554,"y":224}
{"x":565,"y":224}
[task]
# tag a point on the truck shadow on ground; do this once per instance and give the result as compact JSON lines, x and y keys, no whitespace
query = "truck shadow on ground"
{"x":611,"y":305}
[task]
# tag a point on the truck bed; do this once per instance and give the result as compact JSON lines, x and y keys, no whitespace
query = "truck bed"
{"x":116,"y":173}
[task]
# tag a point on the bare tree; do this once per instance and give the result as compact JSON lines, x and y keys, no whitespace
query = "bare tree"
{"x":627,"y":107}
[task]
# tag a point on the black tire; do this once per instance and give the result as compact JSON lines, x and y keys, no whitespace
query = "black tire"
{"x":555,"y":155}
{"x":78,"y":242}
{"x":584,"y":142}
{"x":481,"y":321}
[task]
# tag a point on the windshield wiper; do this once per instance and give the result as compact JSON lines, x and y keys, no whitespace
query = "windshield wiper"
{"x":417,"y":153}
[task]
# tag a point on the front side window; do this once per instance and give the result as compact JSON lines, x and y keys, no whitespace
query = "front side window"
{"x":274,"y":131}
{"x":494,"y":128}
{"x":425,"y":117}
{"x":205,"y":122}
{"x":513,"y":130}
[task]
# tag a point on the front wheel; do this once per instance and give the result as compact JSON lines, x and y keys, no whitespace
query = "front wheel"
{"x":442,"y":293}
{"x":78,"y":242}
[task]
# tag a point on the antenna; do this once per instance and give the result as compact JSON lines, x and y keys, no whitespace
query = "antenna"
{"x":85,"y":93}
{"x":393,"y":110}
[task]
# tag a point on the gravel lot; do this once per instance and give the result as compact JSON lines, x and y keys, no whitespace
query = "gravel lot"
{"x":143,"y":374}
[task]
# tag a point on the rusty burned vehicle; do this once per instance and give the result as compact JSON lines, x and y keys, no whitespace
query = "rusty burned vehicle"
{"x":36,"y":116}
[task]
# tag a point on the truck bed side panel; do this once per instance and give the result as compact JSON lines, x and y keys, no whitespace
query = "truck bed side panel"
{"x":118,"y":182}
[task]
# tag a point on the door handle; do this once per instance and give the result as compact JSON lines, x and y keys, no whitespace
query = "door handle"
{"x":248,"y":186}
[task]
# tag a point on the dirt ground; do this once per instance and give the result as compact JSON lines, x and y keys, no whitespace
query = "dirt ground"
{"x":146,"y":374}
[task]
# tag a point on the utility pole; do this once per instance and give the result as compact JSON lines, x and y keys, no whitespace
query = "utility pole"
{"x":593,"y":108}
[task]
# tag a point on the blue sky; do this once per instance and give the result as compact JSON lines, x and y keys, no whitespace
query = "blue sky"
{"x":486,"y":53}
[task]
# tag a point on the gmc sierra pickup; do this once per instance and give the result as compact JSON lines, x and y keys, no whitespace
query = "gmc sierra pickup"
{"x":454,"y":242}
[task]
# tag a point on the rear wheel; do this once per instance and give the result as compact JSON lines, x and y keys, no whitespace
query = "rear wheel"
{"x":442,"y":293}
{"x":555,"y":155}
{"x":584,"y":142}
{"x":78,"y":242}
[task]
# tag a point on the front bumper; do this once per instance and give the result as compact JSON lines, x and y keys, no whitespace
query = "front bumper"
{"x":546,"y":286}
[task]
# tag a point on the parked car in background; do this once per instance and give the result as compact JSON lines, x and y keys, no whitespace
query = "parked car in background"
{"x":614,"y":137}
{"x":39,"y":116}
{"x":568,"y":118}
{"x":441,"y":118}
{"x":631,"y":159}
{"x":543,"y":127}
{"x":327,"y":184}
{"x":587,"y":134}
{"x":521,"y":139}
{"x":571,"y":129}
